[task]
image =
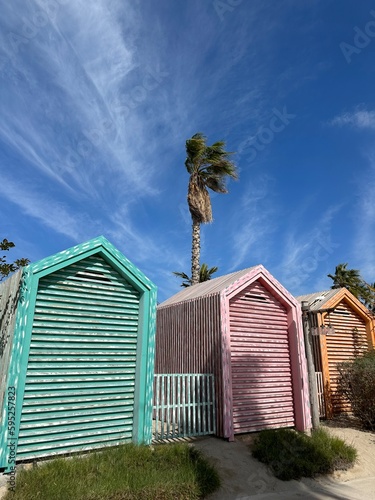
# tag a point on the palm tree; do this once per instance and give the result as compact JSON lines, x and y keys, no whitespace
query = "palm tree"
{"x":205,"y":274}
{"x":347,"y":278}
{"x":209,"y":167}
{"x":369,"y":297}
{"x":353,"y":281}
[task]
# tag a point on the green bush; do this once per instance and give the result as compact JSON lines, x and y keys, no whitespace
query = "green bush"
{"x":356,"y":382}
{"x":292,"y":455}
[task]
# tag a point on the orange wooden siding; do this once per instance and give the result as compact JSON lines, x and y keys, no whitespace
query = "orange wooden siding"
{"x":349,"y":340}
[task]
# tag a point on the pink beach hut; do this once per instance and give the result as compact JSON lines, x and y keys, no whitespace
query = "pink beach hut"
{"x":244,"y":328}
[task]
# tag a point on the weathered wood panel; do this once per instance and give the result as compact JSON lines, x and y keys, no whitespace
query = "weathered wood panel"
{"x":260,"y":361}
{"x":79,"y":389}
{"x":9,"y":296}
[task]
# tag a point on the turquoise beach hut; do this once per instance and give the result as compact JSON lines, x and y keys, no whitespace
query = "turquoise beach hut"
{"x":77,"y":354}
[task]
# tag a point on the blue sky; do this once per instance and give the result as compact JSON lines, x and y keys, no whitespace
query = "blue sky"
{"x":98,"y":99}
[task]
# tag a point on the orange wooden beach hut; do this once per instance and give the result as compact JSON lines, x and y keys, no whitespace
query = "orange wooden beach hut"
{"x":342,"y":328}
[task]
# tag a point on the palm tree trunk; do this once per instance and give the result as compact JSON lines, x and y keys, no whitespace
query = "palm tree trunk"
{"x":195,"y":253}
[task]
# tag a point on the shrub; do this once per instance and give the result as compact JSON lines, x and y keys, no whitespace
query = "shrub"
{"x":356,"y":382}
{"x":292,"y":455}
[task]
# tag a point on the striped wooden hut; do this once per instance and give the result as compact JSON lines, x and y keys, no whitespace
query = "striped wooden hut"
{"x":77,"y":354}
{"x":245,"y":329}
{"x":342,"y":328}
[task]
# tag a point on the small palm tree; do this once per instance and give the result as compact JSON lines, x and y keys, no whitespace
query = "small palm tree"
{"x":205,"y":274}
{"x":209,"y":167}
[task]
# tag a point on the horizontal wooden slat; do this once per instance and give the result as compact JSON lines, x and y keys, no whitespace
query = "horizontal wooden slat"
{"x":348,"y":340}
{"x":81,"y":374}
{"x":260,"y":361}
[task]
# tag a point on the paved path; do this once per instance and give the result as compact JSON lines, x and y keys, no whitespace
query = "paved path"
{"x":245,"y":478}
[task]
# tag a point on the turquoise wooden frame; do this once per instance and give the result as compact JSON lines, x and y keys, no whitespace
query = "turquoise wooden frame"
{"x":142,"y":424}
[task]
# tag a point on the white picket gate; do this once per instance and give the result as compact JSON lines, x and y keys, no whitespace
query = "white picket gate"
{"x":184,"y":405}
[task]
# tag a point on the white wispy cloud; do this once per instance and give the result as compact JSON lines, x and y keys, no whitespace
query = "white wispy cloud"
{"x":360,"y":118}
{"x":305,"y":250}
{"x":69,"y":113}
{"x":364,"y":212}
{"x":53,"y":214}
{"x":99,"y":100}
{"x":252,"y":224}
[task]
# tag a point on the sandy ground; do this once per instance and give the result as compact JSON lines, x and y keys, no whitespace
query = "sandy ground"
{"x":364,"y":442}
{"x":244,"y":478}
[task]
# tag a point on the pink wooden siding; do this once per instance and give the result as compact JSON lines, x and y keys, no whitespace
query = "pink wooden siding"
{"x":260,"y":359}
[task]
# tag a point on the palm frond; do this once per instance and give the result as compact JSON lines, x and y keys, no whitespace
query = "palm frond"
{"x":216,"y":184}
{"x":183,"y":276}
{"x":195,"y":150}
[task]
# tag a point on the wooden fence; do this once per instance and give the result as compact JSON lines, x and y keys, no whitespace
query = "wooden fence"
{"x":9,"y":296}
{"x":184,"y":405}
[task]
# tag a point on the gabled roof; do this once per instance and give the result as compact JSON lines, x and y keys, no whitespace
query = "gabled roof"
{"x":229,"y":284}
{"x":210,"y":287}
{"x":317,"y":300}
{"x":330,"y":299}
{"x":99,"y":245}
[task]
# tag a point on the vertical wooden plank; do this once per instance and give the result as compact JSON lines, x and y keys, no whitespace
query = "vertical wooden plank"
{"x":178,"y":410}
{"x":162,"y":407}
{"x":204,"y":404}
{"x":213,"y":405}
{"x":174,"y":402}
{"x":169,"y":400}
{"x":157,"y":402}
{"x":184,"y":404}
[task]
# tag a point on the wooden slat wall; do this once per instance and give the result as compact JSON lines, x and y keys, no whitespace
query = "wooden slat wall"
{"x":260,"y":359}
{"x":9,"y":296}
{"x":79,"y":390}
{"x":188,"y":341}
{"x":349,"y":340}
